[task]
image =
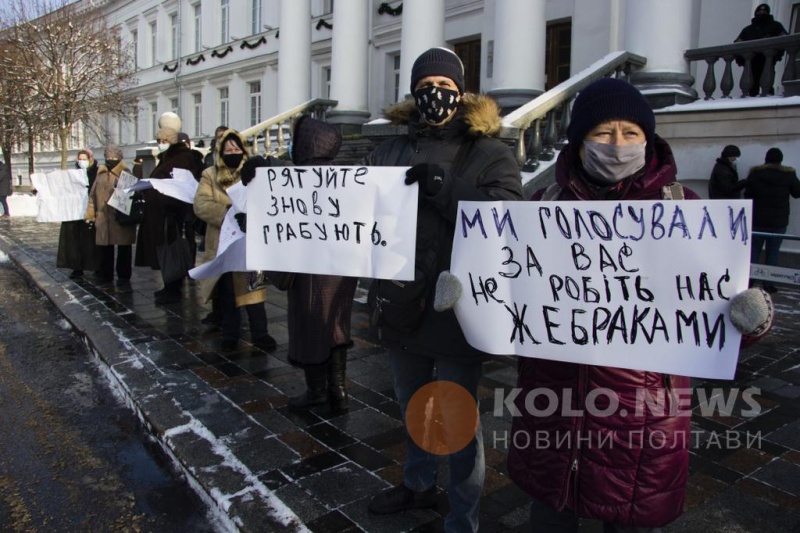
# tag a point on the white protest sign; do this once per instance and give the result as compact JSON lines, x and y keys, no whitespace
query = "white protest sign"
{"x":350,"y":221}
{"x":121,"y":200}
{"x":182,"y":186}
{"x":231,"y":251}
{"x":61,"y":195}
{"x":640,"y":284}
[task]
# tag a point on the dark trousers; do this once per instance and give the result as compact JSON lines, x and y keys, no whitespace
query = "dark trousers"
{"x":124,"y":264}
{"x":4,"y":203}
{"x":231,"y":316}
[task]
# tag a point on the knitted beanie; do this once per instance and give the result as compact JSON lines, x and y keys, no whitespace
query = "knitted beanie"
{"x":731,"y":151}
{"x":438,"y":62}
{"x":774,"y":155}
{"x":609,"y":99}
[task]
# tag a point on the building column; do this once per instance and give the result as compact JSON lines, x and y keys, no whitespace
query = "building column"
{"x":294,"y":54}
{"x":422,"y":28}
{"x":520,"y":31}
{"x":661,"y":32}
{"x":350,"y":64}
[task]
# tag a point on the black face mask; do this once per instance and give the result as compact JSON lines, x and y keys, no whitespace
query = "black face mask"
{"x":232,"y":160}
{"x":112,"y":163}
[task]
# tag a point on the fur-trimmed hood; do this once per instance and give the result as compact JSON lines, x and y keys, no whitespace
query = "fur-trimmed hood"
{"x":774,"y":166}
{"x":225,"y":176}
{"x":478,"y":111}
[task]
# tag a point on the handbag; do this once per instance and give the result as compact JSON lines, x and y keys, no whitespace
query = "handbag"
{"x":282,"y":281}
{"x":174,"y":258}
{"x":136,"y":214}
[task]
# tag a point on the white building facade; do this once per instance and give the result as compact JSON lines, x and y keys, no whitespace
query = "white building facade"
{"x":239,"y":62}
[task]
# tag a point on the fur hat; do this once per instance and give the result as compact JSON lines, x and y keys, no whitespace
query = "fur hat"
{"x":113,"y":152}
{"x":438,"y":62}
{"x":609,"y":99}
{"x":170,"y":120}
{"x":731,"y":151}
{"x":168,"y":135}
{"x":774,"y":155}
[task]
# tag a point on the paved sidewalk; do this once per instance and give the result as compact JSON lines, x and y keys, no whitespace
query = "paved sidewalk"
{"x":223,"y":417}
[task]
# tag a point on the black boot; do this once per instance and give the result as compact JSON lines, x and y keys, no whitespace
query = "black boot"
{"x":317,"y":393}
{"x":336,"y":377}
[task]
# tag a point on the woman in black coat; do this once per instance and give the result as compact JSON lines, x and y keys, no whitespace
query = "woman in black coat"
{"x":724,"y":182}
{"x":161,"y":210}
{"x":76,"y":239}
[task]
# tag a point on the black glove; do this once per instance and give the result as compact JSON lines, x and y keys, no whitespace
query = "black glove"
{"x":249,"y":168}
{"x":430,"y":177}
{"x":241,"y":219}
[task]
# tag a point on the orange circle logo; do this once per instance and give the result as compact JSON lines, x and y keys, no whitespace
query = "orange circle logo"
{"x":442,"y":417}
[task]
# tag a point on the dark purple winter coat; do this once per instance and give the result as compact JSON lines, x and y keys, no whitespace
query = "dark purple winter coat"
{"x":627,"y":470}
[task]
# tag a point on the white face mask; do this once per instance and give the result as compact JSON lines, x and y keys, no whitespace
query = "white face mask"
{"x":163,"y":147}
{"x":612,"y":163}
{"x":84,"y":164}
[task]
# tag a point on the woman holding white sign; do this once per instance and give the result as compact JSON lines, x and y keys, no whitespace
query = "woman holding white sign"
{"x":211,"y":205}
{"x":76,"y":247}
{"x":608,"y":443}
{"x":109,"y":233}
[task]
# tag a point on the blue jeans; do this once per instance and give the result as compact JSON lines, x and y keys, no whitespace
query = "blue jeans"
{"x":773,"y":245}
{"x":467,"y":467}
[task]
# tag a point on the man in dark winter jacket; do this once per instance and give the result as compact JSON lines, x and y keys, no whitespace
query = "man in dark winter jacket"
{"x":762,"y":25}
{"x":770,"y":185}
{"x":724,"y":182}
{"x":452,"y":157}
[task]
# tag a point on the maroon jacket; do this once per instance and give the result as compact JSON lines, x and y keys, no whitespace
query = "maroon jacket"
{"x":627,"y":470}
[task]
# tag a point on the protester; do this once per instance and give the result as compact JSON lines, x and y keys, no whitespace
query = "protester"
{"x":164,"y":215}
{"x":76,"y":239}
{"x":5,"y":189}
{"x":636,"y":483}
{"x":211,"y":204}
{"x":209,"y":159}
{"x":769,"y":186}
{"x":109,"y":233}
{"x":452,"y":155}
{"x":724,"y":182}
{"x":762,"y":25}
{"x":190,"y":221}
{"x":319,"y":306}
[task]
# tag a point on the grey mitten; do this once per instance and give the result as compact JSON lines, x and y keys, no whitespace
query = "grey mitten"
{"x":448,"y":291}
{"x":752,"y":312}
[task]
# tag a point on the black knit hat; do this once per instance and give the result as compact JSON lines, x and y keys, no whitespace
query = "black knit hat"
{"x":774,"y":155}
{"x":609,"y":99}
{"x":731,"y":151}
{"x":438,"y":62}
{"x":759,"y":7}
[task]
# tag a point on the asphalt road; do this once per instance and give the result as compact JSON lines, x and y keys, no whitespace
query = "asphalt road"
{"x":73,"y":457}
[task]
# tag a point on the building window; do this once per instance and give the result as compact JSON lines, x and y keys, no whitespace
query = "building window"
{"x":173,"y":24}
{"x":174,"y":105}
{"x":136,"y":127}
{"x":154,"y":119}
{"x":326,"y":74}
{"x":198,"y":114}
{"x":135,"y":47}
{"x":224,"y":20}
{"x":396,"y":77}
{"x":223,"y":105}
{"x":256,"y":16}
{"x":153,"y":43}
{"x":327,"y":7}
{"x":255,"y":103}
{"x":558,"y":50}
{"x":198,"y":28}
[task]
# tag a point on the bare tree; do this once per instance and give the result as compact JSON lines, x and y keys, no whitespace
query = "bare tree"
{"x":70,"y":64}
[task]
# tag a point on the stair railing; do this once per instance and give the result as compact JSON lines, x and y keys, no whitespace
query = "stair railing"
{"x":743,"y":52}
{"x":539,"y":127}
{"x":281,"y":125}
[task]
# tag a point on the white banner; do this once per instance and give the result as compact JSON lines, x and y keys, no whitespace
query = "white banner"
{"x":182,"y":186}
{"x":642,"y":285}
{"x":350,"y":221}
{"x":120,"y":199}
{"x":61,"y":195}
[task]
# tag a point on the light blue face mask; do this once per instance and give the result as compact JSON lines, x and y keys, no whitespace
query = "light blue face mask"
{"x":291,"y":151}
{"x":612,"y":163}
